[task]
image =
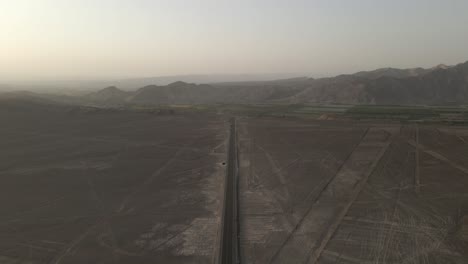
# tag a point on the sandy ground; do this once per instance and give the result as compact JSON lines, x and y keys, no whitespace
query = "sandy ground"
{"x":127,"y":187}
{"x":110,"y":187}
{"x":347,"y":192}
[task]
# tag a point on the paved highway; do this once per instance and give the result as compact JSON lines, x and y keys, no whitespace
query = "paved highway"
{"x":230,"y":242}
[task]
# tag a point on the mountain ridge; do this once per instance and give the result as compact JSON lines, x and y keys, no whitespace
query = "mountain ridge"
{"x":437,"y":85}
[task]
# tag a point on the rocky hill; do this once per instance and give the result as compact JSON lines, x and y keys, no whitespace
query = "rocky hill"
{"x":438,"y":85}
{"x":110,"y":95}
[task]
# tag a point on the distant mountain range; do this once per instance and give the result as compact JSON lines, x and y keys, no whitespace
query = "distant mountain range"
{"x":398,"y":73}
{"x":438,"y":85}
{"x":77,"y":87}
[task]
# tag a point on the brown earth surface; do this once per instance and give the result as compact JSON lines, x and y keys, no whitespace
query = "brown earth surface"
{"x":105,"y":186}
{"x":347,"y":192}
{"x":110,"y":187}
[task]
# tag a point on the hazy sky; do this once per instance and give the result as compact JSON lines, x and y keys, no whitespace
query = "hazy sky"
{"x":93,"y":39}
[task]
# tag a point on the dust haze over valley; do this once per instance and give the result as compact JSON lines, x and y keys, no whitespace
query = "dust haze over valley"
{"x":230,"y":132}
{"x":439,"y":85}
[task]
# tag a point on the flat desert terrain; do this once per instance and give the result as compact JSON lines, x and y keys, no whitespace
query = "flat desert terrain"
{"x":352,"y":192}
{"x":84,"y":185}
{"x":109,"y":187}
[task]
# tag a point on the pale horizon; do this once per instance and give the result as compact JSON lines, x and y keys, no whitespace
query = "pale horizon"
{"x":101,"y":40}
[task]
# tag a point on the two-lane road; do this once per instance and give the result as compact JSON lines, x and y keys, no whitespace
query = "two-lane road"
{"x":230,"y":242}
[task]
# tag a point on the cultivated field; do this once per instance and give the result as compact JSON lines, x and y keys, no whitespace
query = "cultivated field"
{"x":352,"y":192}
{"x":109,"y":186}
